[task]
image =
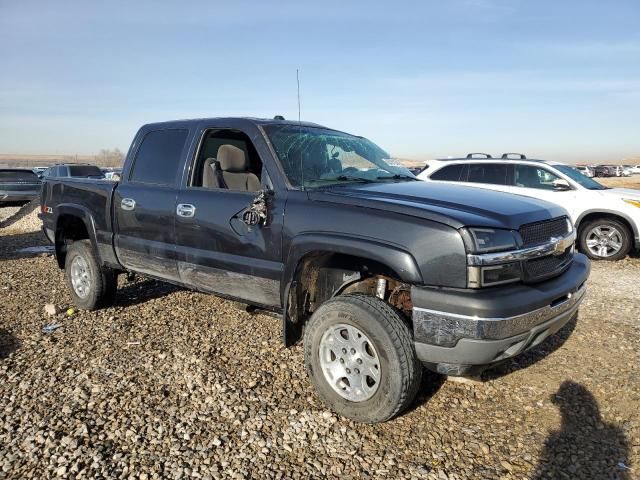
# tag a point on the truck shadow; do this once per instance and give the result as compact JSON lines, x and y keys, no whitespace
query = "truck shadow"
{"x":550,"y":345}
{"x":8,"y":343}
{"x":142,"y":291}
{"x":11,"y":245}
{"x":585,"y":446}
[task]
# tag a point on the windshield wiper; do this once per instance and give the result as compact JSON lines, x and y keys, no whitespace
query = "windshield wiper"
{"x":349,"y":178}
{"x":397,"y":176}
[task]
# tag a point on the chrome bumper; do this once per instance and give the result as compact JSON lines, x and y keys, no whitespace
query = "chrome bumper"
{"x":446,"y":329}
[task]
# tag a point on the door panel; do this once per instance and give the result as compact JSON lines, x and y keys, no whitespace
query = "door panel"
{"x":217,"y":252}
{"x":145,"y":236}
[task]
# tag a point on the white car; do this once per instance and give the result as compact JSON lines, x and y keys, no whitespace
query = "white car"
{"x":607,"y":220}
{"x":635,"y":170}
{"x":586,"y":171}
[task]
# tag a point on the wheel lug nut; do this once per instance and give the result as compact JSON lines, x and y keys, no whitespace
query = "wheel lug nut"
{"x":344,"y":350}
{"x":342,"y":360}
{"x":357,"y":371}
{"x":359,"y":361}
{"x":348,"y":370}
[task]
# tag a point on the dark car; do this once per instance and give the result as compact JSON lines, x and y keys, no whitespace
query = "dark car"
{"x":379,"y":273}
{"x":74,"y":170}
{"x":18,"y":185}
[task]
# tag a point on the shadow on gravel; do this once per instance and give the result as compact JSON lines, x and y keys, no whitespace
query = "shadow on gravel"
{"x":8,"y":343}
{"x":10,"y":244}
{"x":547,"y":347}
{"x":429,"y":386}
{"x":26,"y":209}
{"x":585,"y":446}
{"x":143,"y":291}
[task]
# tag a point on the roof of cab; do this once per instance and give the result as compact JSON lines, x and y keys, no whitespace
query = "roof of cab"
{"x":247,"y":120}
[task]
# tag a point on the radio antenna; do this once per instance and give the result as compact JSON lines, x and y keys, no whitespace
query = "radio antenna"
{"x":298,"y":81}
{"x":301,"y":153}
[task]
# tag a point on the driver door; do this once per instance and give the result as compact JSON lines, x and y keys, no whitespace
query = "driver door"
{"x":217,"y":248}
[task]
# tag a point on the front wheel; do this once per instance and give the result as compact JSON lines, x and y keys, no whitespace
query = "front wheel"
{"x":605,"y":239}
{"x":359,"y":354}
{"x":91,"y":285}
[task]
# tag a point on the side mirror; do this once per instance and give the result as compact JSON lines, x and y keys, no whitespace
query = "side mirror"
{"x":561,"y":185}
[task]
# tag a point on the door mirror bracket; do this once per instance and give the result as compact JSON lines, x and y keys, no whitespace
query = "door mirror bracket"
{"x":256,"y":213}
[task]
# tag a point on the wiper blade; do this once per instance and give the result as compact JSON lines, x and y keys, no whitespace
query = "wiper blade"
{"x":397,"y":177}
{"x":349,"y":178}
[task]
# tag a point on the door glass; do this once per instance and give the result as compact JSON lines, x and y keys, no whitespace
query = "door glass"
{"x":493,"y":173}
{"x":528,"y":176}
{"x":451,"y":173}
{"x":158,"y":157}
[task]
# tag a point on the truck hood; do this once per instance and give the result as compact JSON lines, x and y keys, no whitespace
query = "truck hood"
{"x":454,"y":205}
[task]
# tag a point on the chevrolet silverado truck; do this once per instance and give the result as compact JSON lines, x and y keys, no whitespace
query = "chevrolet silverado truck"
{"x":378,"y":273}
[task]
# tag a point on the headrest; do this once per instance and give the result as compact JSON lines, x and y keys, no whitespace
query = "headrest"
{"x":231,"y":159}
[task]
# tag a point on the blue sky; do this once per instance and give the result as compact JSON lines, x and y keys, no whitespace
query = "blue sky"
{"x":559,"y":79}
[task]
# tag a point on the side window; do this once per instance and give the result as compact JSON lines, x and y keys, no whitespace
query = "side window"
{"x":451,"y":173}
{"x":158,"y":157}
{"x":227,"y":159}
{"x":528,"y":176}
{"x":493,"y":173}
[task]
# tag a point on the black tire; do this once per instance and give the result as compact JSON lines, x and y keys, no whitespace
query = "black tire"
{"x":102,"y":280}
{"x":607,"y":223}
{"x":400,"y":370}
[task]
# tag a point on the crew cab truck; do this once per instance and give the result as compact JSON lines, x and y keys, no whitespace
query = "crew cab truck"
{"x":378,"y":273}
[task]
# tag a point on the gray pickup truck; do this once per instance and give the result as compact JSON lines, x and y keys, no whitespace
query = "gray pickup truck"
{"x":377,"y":272}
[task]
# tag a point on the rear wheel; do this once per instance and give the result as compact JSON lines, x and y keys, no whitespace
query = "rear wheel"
{"x":605,"y":239}
{"x":360,"y":356}
{"x":91,"y":285}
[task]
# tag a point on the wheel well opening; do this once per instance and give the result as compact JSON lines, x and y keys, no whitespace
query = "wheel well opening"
{"x":69,"y":229}
{"x":598,"y":215}
{"x":323,"y":275}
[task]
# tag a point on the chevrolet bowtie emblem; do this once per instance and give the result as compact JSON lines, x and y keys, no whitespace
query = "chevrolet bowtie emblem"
{"x":560,"y":245}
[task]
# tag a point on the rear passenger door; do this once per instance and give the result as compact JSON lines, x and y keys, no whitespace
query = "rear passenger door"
{"x":144,"y":204}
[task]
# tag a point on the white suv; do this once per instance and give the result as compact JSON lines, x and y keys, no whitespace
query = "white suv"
{"x":607,"y":219}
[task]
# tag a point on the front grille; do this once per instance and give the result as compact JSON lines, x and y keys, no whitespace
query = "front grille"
{"x":545,"y":267}
{"x":541,"y":232}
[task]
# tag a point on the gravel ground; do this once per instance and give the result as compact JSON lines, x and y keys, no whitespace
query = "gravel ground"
{"x":174,"y":384}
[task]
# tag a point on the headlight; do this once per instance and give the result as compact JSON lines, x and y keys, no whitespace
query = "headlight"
{"x":484,"y":240}
{"x":635,"y":203}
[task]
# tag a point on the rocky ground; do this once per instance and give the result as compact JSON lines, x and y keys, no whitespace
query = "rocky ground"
{"x":174,"y":384}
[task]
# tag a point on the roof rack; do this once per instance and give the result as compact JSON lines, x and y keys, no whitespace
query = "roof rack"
{"x":471,"y":155}
{"x":519,"y":155}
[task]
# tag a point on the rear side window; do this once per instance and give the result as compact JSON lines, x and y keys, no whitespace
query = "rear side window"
{"x":84,"y":171}
{"x":158,"y":157}
{"x":17,"y":176}
{"x":452,"y":173}
{"x":493,"y":173}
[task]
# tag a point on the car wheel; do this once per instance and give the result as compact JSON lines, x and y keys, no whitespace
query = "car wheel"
{"x":360,"y":356}
{"x":91,"y":286}
{"x":605,"y":239}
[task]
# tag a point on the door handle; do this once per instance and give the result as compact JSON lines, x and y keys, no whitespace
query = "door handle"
{"x":185,"y":210}
{"x":128,"y":204}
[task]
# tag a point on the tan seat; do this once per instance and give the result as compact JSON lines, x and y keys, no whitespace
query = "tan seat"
{"x":229,"y":170}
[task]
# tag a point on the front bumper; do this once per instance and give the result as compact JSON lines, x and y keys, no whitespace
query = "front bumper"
{"x":455,"y":329}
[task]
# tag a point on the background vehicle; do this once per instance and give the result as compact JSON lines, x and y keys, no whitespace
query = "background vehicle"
{"x":18,"y":185}
{"x":635,"y":170}
{"x":39,"y":171}
{"x":607,"y":219}
{"x":380,"y":271}
{"x":603,"y":171}
{"x":585,"y":170}
{"x":74,"y":170}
